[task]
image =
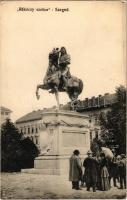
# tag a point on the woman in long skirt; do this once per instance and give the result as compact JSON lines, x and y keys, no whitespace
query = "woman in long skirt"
{"x":104,"y":173}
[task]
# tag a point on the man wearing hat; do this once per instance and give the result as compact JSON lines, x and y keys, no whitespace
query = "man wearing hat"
{"x":91,"y":171}
{"x":113,"y":169}
{"x":75,"y":170}
{"x":122,"y":171}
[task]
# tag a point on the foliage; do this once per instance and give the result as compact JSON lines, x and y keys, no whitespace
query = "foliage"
{"x":14,"y":153}
{"x":113,"y":123}
{"x":96,"y":146}
{"x":10,"y":143}
{"x":28,"y":153}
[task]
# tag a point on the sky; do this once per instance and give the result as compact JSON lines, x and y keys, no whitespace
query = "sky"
{"x":92,"y":32}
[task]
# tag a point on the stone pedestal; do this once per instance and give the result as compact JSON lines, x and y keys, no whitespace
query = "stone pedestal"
{"x":63,"y":132}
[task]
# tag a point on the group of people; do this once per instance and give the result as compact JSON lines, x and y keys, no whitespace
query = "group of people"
{"x":98,"y":171}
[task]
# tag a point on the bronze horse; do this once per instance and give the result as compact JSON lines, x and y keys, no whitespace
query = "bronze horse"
{"x":54,"y":84}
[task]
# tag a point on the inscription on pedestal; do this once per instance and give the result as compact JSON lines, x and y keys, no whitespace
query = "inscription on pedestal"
{"x":73,"y":139}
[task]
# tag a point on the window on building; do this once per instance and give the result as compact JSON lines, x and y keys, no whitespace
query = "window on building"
{"x":24,"y":130}
{"x":36,"y":140}
{"x":32,"y":130}
{"x":96,"y":134}
{"x":91,"y":138}
{"x":90,"y":118}
{"x":36,"y":130}
{"x":28,"y":130}
{"x":95,"y":120}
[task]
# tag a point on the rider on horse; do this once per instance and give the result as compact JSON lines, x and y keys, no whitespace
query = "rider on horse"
{"x":64,"y":61}
{"x":58,"y":62}
{"x":58,"y":77}
{"x":53,"y":65}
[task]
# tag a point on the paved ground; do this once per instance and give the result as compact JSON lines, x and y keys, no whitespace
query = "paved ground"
{"x":36,"y":186}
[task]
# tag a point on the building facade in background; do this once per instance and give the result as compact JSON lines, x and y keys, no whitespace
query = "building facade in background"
{"x":5,"y":113}
{"x":32,"y":123}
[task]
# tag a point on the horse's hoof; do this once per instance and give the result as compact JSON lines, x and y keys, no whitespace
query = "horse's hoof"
{"x":38,"y":97}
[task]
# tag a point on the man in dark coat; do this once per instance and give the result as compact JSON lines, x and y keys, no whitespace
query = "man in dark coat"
{"x":113,"y":169}
{"x":122,"y":171}
{"x":91,"y":171}
{"x":75,"y":170}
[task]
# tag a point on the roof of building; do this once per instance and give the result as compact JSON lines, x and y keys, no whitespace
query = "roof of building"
{"x":96,"y":102}
{"x":88,"y":104}
{"x":34,"y":115}
{"x":2,"y":108}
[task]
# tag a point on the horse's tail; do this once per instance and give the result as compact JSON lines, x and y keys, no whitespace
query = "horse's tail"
{"x":80,"y":86}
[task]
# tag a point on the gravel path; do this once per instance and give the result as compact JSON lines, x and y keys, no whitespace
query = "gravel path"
{"x":36,"y":186}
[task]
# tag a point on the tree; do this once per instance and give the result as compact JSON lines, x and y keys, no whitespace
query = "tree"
{"x":10,"y":143}
{"x":96,"y":146}
{"x":28,"y":153}
{"x":16,"y":152}
{"x":113,"y":123}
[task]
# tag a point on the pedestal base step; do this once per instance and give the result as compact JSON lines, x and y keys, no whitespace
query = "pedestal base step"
{"x":42,"y":171}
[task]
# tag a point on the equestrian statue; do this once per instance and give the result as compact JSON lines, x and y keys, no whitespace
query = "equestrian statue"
{"x":59,"y":79}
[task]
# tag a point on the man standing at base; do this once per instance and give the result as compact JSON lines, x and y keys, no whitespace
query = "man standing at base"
{"x":75,"y":170}
{"x":91,"y":171}
{"x":113,"y":169}
{"x":122,"y":171}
